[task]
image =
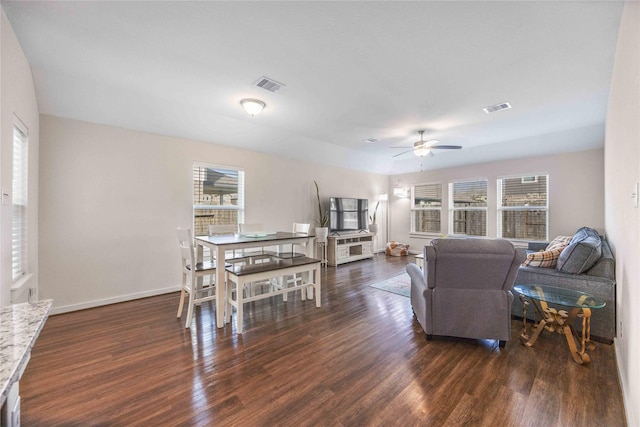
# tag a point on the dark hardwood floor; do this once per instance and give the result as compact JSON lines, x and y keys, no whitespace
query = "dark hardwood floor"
{"x":360,"y":359}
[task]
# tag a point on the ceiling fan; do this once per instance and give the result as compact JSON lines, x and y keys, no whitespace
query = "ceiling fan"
{"x":424,"y":148}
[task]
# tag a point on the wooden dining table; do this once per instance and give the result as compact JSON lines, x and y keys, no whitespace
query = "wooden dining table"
{"x":220,"y":244}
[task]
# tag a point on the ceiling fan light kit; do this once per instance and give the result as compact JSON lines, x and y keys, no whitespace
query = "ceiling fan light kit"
{"x":421,"y":151}
{"x":424,"y":148}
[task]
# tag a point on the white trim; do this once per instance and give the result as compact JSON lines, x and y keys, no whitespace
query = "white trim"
{"x":114,"y":300}
{"x":216,"y":166}
{"x":217,"y":207}
{"x":520,"y":175}
{"x":17,"y":122}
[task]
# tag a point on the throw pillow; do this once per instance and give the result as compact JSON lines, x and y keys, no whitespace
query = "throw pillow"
{"x":546,"y":259}
{"x":559,"y":242}
{"x":582,"y":253}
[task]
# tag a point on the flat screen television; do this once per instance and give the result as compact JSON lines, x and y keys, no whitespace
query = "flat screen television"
{"x":348,"y":214}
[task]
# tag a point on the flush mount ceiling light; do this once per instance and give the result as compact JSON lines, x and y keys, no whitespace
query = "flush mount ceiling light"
{"x":252,"y":106}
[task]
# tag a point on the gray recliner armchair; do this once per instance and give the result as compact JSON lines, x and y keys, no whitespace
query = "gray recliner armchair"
{"x":465,"y":289}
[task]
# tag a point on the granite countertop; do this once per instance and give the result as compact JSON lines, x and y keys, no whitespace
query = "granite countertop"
{"x":20,"y":325}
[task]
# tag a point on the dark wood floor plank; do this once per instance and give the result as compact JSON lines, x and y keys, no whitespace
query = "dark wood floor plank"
{"x":360,"y":359}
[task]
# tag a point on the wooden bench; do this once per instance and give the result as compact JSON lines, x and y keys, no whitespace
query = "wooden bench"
{"x":275,"y":269}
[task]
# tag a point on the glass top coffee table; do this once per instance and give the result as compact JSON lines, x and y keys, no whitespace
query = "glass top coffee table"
{"x":559,"y":321}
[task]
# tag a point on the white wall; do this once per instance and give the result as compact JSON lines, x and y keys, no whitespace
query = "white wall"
{"x":622,"y":220}
{"x":576,"y":192}
{"x":111,"y":199}
{"x":18,"y":100}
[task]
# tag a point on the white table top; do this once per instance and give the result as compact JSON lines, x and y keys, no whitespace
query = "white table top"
{"x":252,"y":238}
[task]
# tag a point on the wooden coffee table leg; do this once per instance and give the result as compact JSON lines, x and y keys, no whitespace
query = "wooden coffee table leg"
{"x":581,"y":356}
{"x":531,"y":341}
{"x":525,"y":334}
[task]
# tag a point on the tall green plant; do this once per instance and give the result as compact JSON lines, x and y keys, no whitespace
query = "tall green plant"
{"x":323,"y":217}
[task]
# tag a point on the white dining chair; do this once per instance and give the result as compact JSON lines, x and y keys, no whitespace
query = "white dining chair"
{"x":191,"y":272}
{"x":252,"y":228}
{"x":222,"y":229}
{"x":298,"y":228}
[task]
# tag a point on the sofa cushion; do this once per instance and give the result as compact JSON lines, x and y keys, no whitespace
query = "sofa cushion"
{"x":559,"y":242}
{"x":582,"y":253}
{"x":546,"y":259}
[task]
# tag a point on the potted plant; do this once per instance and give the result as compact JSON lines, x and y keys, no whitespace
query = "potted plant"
{"x":373,"y":227}
{"x":323,"y":219}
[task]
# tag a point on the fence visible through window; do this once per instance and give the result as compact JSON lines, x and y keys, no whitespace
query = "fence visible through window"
{"x":468,"y":207}
{"x":218,"y":197}
{"x":523,"y":207}
{"x":426,"y":208}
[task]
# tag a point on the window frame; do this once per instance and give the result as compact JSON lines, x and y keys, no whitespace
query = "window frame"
{"x":239,"y":207}
{"x":20,"y":198}
{"x":415,"y":209}
{"x":453,"y":209}
{"x":500,"y":208}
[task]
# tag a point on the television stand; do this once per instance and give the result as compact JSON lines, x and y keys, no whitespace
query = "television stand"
{"x":349,"y":247}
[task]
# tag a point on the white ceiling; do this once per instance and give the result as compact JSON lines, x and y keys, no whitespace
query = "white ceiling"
{"x":352,"y":70}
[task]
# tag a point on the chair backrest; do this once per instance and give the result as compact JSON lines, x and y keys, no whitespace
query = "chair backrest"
{"x":185,"y":240}
{"x":219,"y":229}
{"x":250,"y":228}
{"x":472,"y":263}
{"x":301,"y":228}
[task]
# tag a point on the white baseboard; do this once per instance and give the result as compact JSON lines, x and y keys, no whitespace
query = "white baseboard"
{"x":113,"y":300}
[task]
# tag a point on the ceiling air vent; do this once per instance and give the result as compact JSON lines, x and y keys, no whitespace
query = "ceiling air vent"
{"x":497,"y":107}
{"x":269,"y":84}
{"x":370,"y":140}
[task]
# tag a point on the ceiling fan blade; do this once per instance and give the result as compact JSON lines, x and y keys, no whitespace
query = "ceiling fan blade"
{"x":404,"y":152}
{"x":445,"y":147}
{"x":405,"y":147}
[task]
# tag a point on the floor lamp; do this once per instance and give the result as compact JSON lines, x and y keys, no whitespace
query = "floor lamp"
{"x":385,"y":198}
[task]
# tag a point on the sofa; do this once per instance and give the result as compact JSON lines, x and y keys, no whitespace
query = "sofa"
{"x":597,"y":279}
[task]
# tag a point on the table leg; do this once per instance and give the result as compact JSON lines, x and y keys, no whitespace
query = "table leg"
{"x":220,"y":286}
{"x":199,"y":280}
{"x":525,"y":303}
{"x":307,"y":276}
{"x":559,"y":321}
{"x":581,"y":356}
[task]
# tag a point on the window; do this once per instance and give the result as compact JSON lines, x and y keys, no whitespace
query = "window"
{"x":218,"y":197}
{"x":426,"y":207}
{"x":523,"y":207}
{"x":468,"y":208}
{"x":19,"y":204}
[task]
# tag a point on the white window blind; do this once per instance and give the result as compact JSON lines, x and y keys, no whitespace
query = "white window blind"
{"x":468,"y":207}
{"x":426,"y":208}
{"x":523,"y":207}
{"x":218,"y":196}
{"x":19,"y":204}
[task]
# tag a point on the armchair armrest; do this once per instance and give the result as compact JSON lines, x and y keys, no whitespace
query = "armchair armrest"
{"x":417,"y":276}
